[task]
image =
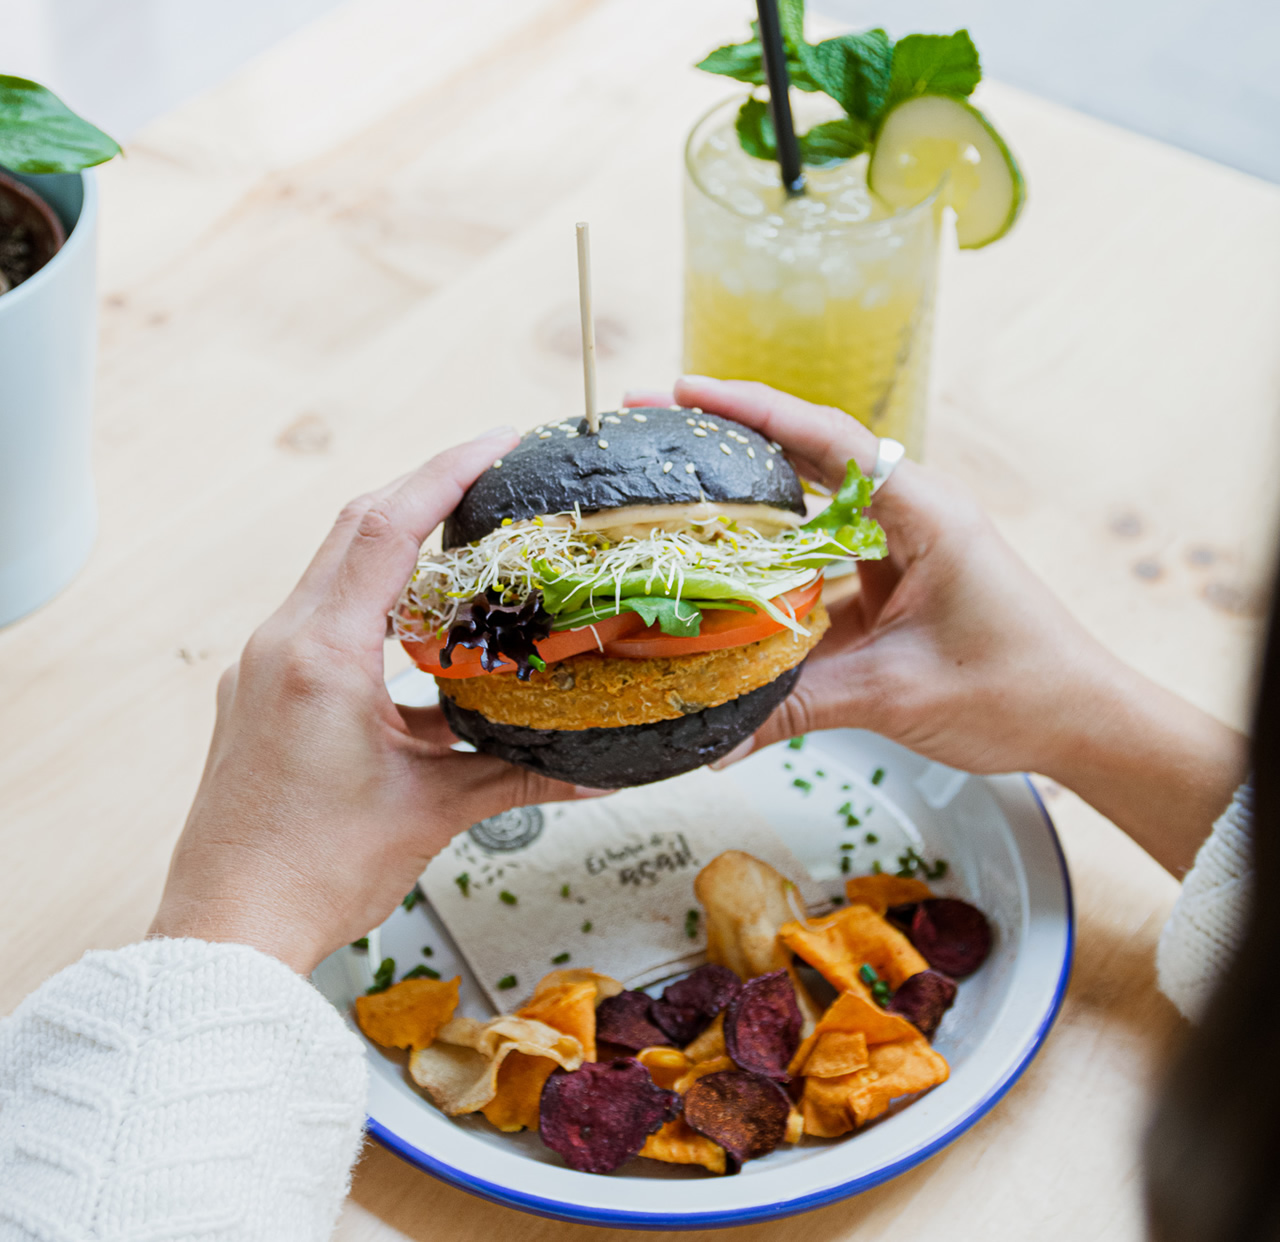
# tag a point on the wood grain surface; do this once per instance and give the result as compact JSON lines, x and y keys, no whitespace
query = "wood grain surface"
{"x":361,"y":249}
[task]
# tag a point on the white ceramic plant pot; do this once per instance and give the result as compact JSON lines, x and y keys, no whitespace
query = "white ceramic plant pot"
{"x":48,"y":334}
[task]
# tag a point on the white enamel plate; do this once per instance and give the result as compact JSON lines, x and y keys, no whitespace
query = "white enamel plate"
{"x":1004,"y":857}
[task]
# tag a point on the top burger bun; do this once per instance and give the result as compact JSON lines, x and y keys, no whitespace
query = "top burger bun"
{"x":641,"y":457}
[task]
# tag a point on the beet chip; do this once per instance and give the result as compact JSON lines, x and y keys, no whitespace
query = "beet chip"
{"x":901,"y":916}
{"x":745,"y":1113}
{"x":624,"y":1020}
{"x":762,"y":1025}
{"x":923,"y":999}
{"x":686,"y":1008}
{"x":597,"y":1117}
{"x":953,"y":936}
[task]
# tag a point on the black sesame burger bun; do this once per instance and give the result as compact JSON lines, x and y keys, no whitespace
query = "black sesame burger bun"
{"x":649,"y":456}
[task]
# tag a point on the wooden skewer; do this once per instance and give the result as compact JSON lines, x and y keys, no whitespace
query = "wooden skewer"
{"x":588,"y":327}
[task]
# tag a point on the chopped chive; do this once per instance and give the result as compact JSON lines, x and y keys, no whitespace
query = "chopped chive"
{"x":938,"y":870}
{"x":820,"y":773}
{"x":877,"y":776}
{"x":880,"y":994}
{"x":362,"y":943}
{"x":536,"y":661}
{"x":852,"y":821}
{"x":867,"y":973}
{"x":564,"y":890}
{"x":382,"y":976}
{"x":871,"y":838}
{"x":802,"y":784}
{"x":507,"y":899}
{"x":837,"y":900}
{"x":846,"y":865}
{"x":422,"y":972}
{"x":845,"y":788}
{"x":559,"y":959}
{"x":846,"y":809}
{"x":506,"y":983}
{"x":411,"y":898}
{"x":796,"y":743}
{"x":847,"y":845}
{"x":787,"y":767}
{"x":691,"y":919}
{"x":428,"y":951}
{"x":876,"y":868}
{"x":463,"y":882}
{"x":587,"y":926}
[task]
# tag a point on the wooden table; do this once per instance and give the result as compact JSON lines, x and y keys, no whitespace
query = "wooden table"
{"x":362,"y":248}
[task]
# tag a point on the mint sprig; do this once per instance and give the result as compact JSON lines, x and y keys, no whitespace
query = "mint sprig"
{"x":866,"y":73}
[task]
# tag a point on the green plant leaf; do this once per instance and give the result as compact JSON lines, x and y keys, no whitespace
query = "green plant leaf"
{"x":740,"y":61}
{"x":933,"y":65}
{"x":40,"y":134}
{"x":677,"y":617}
{"x":833,"y":141}
{"x":854,"y":70}
{"x":744,"y":62}
{"x":755,"y":129}
{"x":846,"y":505}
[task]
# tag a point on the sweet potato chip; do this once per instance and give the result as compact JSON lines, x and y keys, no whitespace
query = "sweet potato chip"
{"x":746,"y":901}
{"x":834,"y":1106}
{"x":882,"y":891}
{"x":835,"y":1053}
{"x":853,"y":1013}
{"x":709,"y":1044}
{"x":676,"y":1143}
{"x":460,"y":1069}
{"x":566,"y":1007}
{"x":604,"y":985}
{"x":713,"y":1065}
{"x":839,"y":945}
{"x":409,"y":1014}
{"x":666,"y":1066}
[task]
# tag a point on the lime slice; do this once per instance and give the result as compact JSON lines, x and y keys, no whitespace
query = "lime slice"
{"x":930,"y":137}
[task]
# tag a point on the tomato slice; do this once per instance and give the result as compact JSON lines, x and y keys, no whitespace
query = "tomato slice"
{"x":720,"y":629}
{"x":558,"y":646}
{"x":626,"y":637}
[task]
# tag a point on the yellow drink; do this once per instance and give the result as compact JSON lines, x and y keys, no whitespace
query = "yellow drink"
{"x":828,"y":295}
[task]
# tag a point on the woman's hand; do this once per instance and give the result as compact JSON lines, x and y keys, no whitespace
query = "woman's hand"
{"x":321,"y":801}
{"x":953,"y":647}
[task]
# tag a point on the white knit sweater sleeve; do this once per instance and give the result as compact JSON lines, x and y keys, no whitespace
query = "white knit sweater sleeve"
{"x":176,"y":1089}
{"x":1207,"y":924}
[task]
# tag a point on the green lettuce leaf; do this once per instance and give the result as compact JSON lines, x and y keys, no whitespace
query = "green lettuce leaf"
{"x":846,"y":505}
{"x":680,"y":617}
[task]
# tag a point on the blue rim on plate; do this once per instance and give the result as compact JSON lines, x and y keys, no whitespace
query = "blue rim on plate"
{"x":558,"y":1210}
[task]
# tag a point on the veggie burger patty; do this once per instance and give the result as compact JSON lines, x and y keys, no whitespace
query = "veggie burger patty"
{"x":616,"y":607}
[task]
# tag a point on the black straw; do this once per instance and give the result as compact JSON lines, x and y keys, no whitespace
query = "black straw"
{"x":775,"y":71}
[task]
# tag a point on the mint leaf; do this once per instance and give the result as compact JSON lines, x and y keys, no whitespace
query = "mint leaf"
{"x":844,"y":509}
{"x":674,"y":616}
{"x":755,"y":129}
{"x":40,"y":134}
{"x":933,"y":65}
{"x":833,"y":141}
{"x":741,"y":61}
{"x":854,"y":69}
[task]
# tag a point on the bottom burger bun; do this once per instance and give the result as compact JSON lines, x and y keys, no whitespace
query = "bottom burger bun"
{"x":611,"y":723}
{"x":616,"y":758}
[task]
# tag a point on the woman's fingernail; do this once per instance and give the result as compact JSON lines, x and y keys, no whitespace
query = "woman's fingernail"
{"x":585,"y":791}
{"x":505,"y":431}
{"x":740,"y":751}
{"x":699,"y":379}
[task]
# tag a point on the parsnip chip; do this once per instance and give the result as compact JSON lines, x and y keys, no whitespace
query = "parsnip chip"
{"x":795,"y":1126}
{"x":409,"y":1014}
{"x":676,"y":1143}
{"x":882,"y":891}
{"x":836,"y":1053}
{"x":569,"y":1008}
{"x":834,"y":1106}
{"x":709,"y":1044}
{"x":701,"y":1069}
{"x":746,"y":902}
{"x":665,"y":1065}
{"x":460,"y":1070}
{"x":839,"y":945}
